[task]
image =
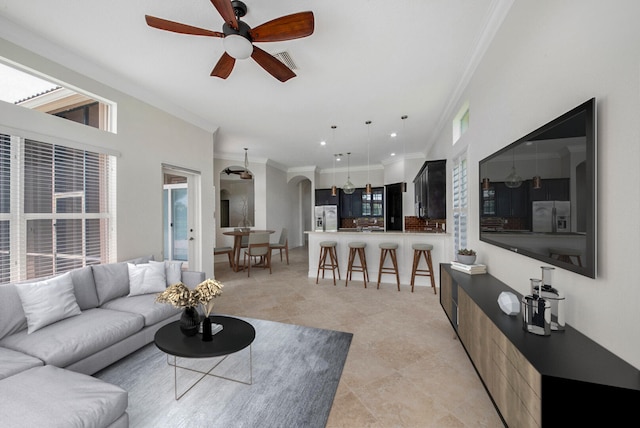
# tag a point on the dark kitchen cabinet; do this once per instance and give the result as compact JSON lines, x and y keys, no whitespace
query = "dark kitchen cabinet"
{"x":394,"y":206}
{"x":359,"y":204}
{"x":351,"y":205}
{"x":511,"y":202}
{"x":552,"y":189}
{"x":323,"y":197}
{"x":430,"y":187}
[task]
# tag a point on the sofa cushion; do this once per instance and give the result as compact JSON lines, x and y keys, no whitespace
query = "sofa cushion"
{"x":173,"y":271}
{"x":140,"y":260}
{"x":48,"y":301}
{"x":12,"y":318}
{"x":73,"y":339}
{"x":112,"y":280}
{"x":146,"y":278}
{"x":84,"y":287}
{"x":144,"y":305}
{"x":52,"y":397}
{"x":13,"y":362}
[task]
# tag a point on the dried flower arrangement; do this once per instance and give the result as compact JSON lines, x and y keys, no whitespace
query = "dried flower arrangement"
{"x":180,"y":296}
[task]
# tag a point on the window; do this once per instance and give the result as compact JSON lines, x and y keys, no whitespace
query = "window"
{"x":461,"y":122}
{"x":372,"y":205}
{"x":460,"y":203}
{"x":31,"y":90}
{"x":56,"y":208}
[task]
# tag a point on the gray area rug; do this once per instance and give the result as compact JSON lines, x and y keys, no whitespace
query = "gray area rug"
{"x":296,"y":371}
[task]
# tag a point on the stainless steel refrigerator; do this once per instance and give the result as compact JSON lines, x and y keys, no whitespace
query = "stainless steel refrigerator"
{"x":326,"y":218}
{"x":551,"y":216}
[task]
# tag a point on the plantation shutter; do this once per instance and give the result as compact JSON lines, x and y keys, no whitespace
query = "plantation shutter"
{"x":460,"y":204}
{"x":62,"y":216}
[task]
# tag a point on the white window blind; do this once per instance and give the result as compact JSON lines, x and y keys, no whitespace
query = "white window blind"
{"x":57,"y":208}
{"x":460,"y":204}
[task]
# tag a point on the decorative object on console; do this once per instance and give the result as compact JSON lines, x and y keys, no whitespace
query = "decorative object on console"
{"x":536,"y":311}
{"x":471,"y":269}
{"x":555,"y":298}
{"x":509,"y":303}
{"x":466,"y":256}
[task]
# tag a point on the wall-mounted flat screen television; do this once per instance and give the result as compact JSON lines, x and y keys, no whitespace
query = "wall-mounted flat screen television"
{"x":538,"y":194}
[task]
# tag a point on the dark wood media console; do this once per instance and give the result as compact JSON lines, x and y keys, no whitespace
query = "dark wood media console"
{"x":565,"y":379}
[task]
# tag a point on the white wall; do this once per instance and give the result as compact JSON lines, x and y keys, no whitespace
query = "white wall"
{"x":547,"y":58}
{"x":146,"y":138}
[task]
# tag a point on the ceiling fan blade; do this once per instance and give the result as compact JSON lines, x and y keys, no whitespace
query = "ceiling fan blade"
{"x":284,"y":28}
{"x":176,"y":27}
{"x":225,"y":10}
{"x":224,"y":66}
{"x":272,"y":65}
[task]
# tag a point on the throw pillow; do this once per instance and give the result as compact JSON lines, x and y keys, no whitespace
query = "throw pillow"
{"x":172,"y":270}
{"x":112,"y":280}
{"x":146,"y":278}
{"x":48,"y":301}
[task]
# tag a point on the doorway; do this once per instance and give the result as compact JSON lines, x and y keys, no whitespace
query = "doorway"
{"x":394,"y":206}
{"x":181,"y":216}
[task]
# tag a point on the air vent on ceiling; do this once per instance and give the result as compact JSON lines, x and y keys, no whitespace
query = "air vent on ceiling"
{"x":286,"y":59}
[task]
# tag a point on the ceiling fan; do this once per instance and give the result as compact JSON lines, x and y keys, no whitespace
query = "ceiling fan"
{"x":238,"y":37}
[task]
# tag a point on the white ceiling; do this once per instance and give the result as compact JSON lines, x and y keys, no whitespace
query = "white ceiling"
{"x":366,"y":60}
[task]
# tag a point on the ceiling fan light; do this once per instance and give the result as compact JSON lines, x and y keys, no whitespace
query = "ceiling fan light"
{"x":237,"y":46}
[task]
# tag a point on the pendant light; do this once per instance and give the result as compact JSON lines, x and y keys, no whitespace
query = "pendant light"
{"x":537,"y":181}
{"x":348,"y":187}
{"x":404,"y":152}
{"x":334,"y":189}
{"x":486,"y":184}
{"x":513,"y":180}
{"x":367,"y":187}
{"x":246,"y":175}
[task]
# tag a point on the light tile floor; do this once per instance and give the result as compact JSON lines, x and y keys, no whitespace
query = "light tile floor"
{"x":405,"y":367}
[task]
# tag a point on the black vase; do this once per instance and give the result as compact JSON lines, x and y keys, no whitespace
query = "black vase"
{"x":190,"y":321}
{"x":206,"y":330}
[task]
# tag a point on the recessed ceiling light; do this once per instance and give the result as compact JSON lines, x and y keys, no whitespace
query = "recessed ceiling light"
{"x":393,"y":154}
{"x":323,"y":143}
{"x":393,"y":134}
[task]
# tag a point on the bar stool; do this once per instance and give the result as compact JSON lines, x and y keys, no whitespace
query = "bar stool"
{"x":565,"y":254}
{"x":328,"y":248}
{"x":390,"y":249}
{"x":357,"y":248}
{"x":418,"y":251}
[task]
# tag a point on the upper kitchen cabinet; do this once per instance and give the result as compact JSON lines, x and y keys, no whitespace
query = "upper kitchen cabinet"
{"x":323,"y":197}
{"x":511,"y":202}
{"x":431,"y":190}
{"x":359,"y":204}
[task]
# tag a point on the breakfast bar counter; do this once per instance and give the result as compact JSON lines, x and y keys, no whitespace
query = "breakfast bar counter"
{"x":441,"y":253}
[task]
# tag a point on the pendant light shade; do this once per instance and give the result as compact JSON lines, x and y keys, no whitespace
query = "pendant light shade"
{"x":486,"y":184}
{"x":246,"y":175}
{"x":334,"y":189}
{"x":348,"y":187}
{"x":513,"y":180}
{"x":367,"y":187}
{"x":537,"y":181}
{"x":404,"y":151}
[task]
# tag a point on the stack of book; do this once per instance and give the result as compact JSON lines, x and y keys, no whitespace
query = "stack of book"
{"x":469,"y":269}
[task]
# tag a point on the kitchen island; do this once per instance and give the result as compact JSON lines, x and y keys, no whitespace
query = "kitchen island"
{"x":441,"y":253}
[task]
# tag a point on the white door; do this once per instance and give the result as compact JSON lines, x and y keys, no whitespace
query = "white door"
{"x":181,"y":206}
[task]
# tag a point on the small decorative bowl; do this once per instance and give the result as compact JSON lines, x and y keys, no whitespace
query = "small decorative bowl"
{"x":467,"y":260}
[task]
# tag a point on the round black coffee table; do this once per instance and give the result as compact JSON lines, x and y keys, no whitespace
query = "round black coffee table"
{"x":236,"y":335}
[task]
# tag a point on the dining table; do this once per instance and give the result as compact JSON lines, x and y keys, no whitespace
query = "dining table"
{"x":237,"y":243}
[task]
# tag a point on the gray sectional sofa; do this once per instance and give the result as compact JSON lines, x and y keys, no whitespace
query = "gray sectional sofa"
{"x":56,"y":332}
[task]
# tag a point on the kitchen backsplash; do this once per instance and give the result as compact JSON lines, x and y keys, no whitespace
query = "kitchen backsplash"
{"x":416,"y":224}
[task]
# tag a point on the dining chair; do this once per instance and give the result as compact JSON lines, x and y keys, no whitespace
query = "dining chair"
{"x":258,"y":250}
{"x":282,"y":244}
